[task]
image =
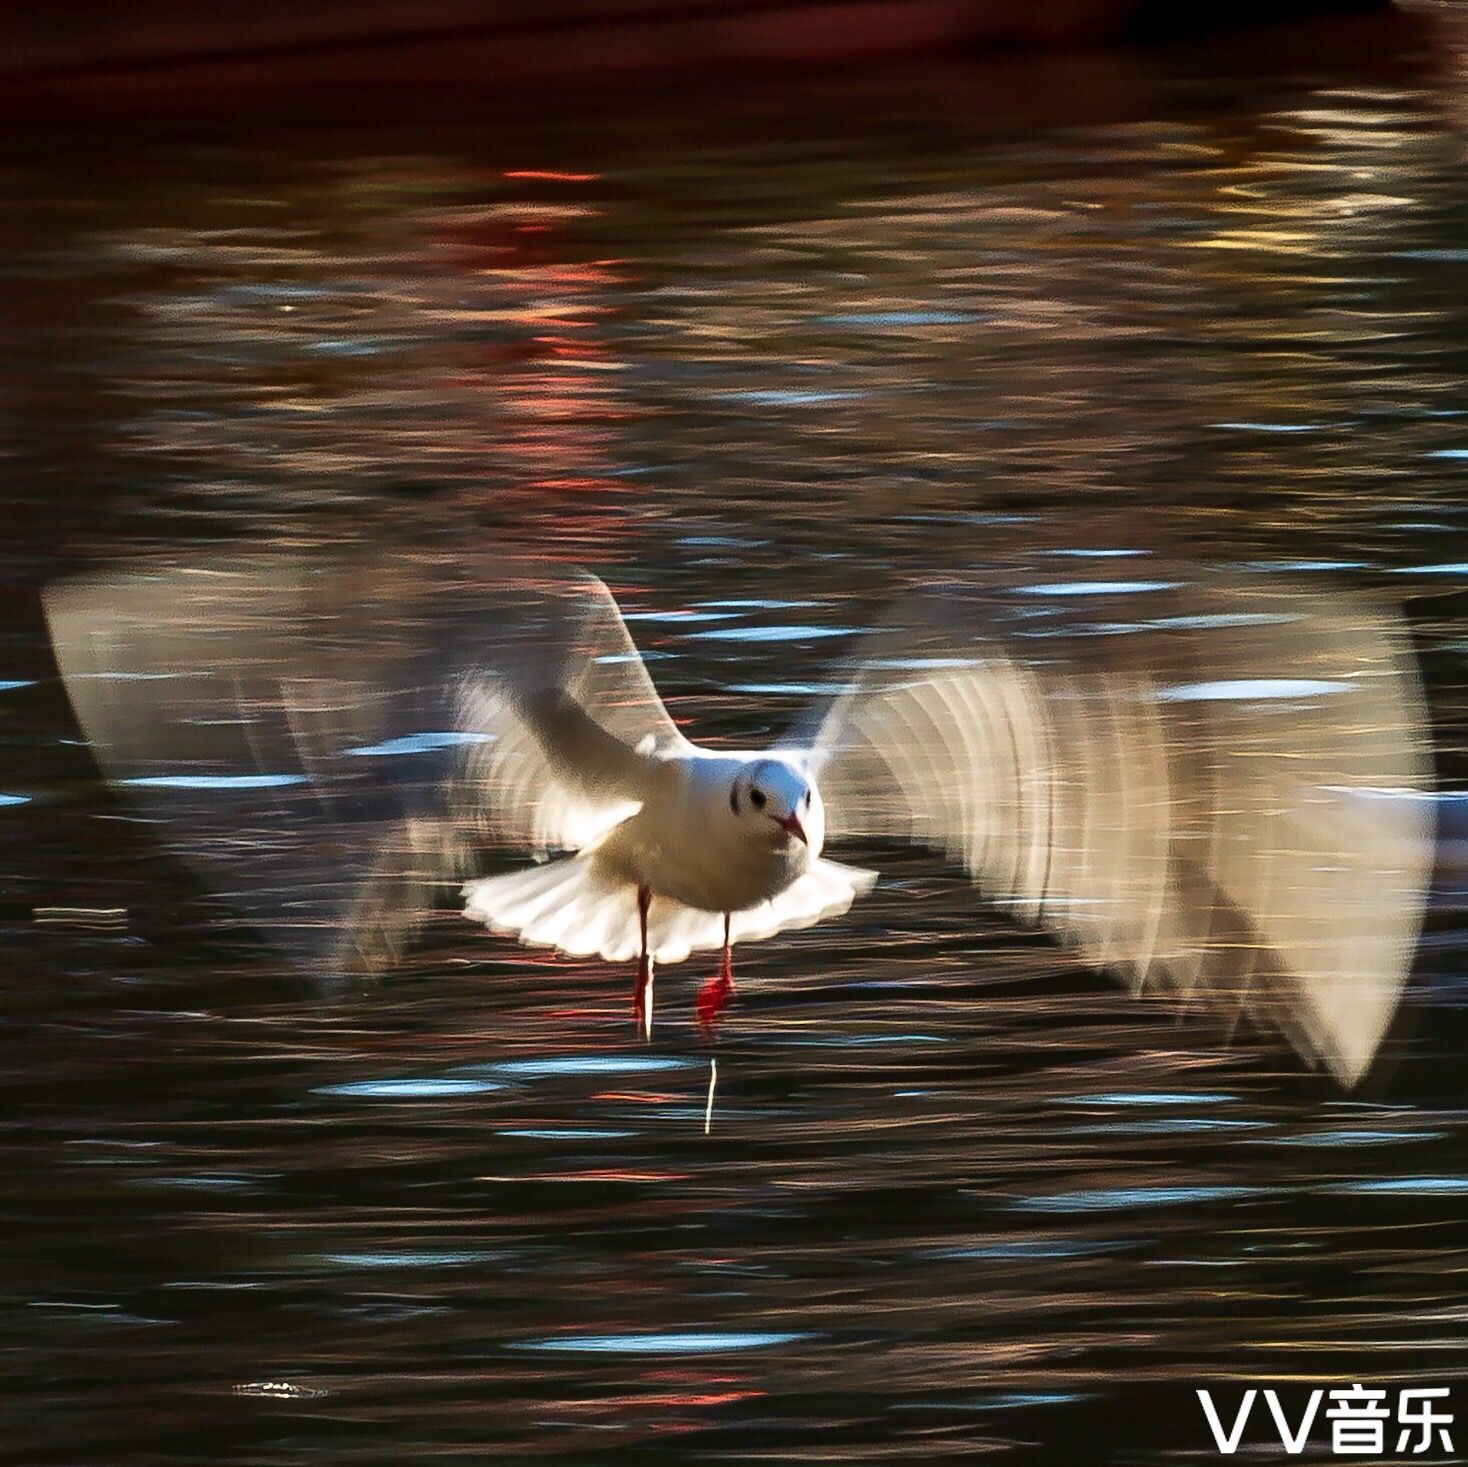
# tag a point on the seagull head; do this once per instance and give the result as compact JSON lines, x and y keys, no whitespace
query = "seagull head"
{"x":779,"y":801}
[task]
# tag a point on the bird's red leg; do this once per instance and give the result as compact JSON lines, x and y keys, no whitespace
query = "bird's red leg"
{"x":642,"y":993}
{"x":714,"y":996}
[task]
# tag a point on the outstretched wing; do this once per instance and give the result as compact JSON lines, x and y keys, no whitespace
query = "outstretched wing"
{"x":1213,"y":784}
{"x":328,"y":734}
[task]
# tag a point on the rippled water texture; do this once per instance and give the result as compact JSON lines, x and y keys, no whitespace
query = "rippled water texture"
{"x":758,"y":364}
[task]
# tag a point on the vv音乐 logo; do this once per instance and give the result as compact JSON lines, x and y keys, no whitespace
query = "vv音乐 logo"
{"x":1359,"y":1422}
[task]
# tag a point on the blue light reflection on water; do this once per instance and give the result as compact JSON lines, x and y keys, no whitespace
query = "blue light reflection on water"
{"x":1096,"y":588}
{"x":589,"y":1064}
{"x":428,"y":1088}
{"x":1406,"y":1186}
{"x":418,"y":743}
{"x":881,"y":320}
{"x":1113,"y":1199}
{"x":789,"y":633}
{"x":563,"y":1133}
{"x":692,"y":1342}
{"x":1035,"y":1248}
{"x":1148,"y":1097}
{"x":790,"y":397}
{"x":1355,"y":1138}
{"x":414,"y":1258}
{"x":792,"y":690}
{"x":1251,"y":690}
{"x":216,"y":781}
{"x":1009,"y":1401}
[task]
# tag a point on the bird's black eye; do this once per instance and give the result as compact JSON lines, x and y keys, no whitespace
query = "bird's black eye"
{"x":757,"y":799}
{"x":734,"y":798}
{"x":807,"y":799}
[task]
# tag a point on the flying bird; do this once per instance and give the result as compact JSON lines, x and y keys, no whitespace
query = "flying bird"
{"x":1217,"y":784}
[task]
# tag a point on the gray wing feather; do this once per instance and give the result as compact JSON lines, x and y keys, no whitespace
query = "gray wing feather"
{"x":329,"y":735}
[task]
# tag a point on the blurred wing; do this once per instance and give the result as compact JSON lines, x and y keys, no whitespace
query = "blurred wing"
{"x":550,"y":779}
{"x":329,"y":735}
{"x":1209,"y":784}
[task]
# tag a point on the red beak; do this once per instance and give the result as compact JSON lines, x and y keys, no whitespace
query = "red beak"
{"x":791,"y":824}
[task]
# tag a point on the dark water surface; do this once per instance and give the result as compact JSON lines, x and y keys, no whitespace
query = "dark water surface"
{"x":758,"y":364}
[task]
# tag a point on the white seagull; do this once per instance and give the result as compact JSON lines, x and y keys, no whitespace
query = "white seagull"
{"x":1216,"y":785}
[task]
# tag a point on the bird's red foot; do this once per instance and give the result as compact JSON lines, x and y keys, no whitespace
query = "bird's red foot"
{"x":713,"y":999}
{"x":715,"y":995}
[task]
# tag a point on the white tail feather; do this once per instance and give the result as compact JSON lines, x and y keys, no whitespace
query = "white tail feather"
{"x":571,"y":904}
